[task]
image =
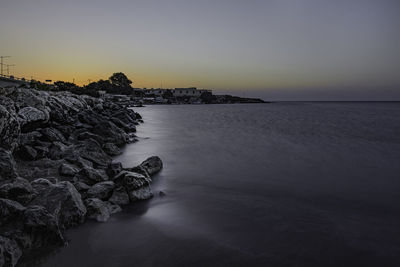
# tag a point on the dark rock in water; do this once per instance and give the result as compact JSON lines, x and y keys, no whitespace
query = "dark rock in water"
{"x":136,"y":185}
{"x":101,"y":190}
{"x":142,"y":193}
{"x":111,"y":149}
{"x":9,"y":129}
{"x":52,"y":135}
{"x":62,"y":200}
{"x":27,"y":153}
{"x":113,"y":208}
{"x":113,"y":169}
{"x":119,"y":196}
{"x":10,"y":211}
{"x":9,"y":252}
{"x":131,"y":180}
{"x":41,"y":227}
{"x":97,"y":209}
{"x":19,"y":190}
{"x":111,"y":133}
{"x":152,"y":165}
{"x":7,"y":165}
{"x":68,"y":169}
{"x":161,"y":194}
{"x":31,"y":118}
{"x":92,"y":176}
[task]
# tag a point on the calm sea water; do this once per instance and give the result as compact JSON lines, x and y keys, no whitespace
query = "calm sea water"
{"x":284,"y":184}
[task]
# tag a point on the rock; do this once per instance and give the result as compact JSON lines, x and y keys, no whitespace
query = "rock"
{"x":52,"y":135}
{"x":152,"y":165}
{"x":142,"y":193}
{"x":41,"y":227}
{"x":29,"y":138}
{"x":92,"y":176}
{"x":57,"y":151}
{"x":7,"y":165}
{"x":89,"y":150}
{"x":19,"y":190}
{"x":81,"y":186}
{"x":113,"y":169}
{"x":113,"y":208}
{"x":131,"y":180}
{"x":9,"y":252}
{"x":161,"y":194}
{"x":87,"y":135}
{"x":9,"y":129}
{"x":68,"y":169}
{"x":41,"y":151}
{"x":101,"y":190}
{"x":119,"y":196}
{"x":111,"y":149}
{"x":110,"y":132}
{"x":62,"y":200}
{"x":136,"y":185}
{"x":31,"y":118}
{"x":10,"y":211}
{"x":27,"y":153}
{"x":97,"y":209}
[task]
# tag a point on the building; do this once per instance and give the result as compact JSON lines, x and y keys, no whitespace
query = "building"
{"x":179,"y":92}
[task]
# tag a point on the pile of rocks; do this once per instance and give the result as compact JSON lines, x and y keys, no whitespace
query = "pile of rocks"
{"x":56,"y":166}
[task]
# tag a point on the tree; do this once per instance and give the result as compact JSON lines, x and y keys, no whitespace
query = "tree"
{"x":120,"y":80}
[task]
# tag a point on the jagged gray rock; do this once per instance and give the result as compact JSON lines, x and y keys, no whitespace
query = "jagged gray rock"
{"x":19,"y":190}
{"x":152,"y":165}
{"x":62,"y":200}
{"x":102,"y":190}
{"x":97,"y":209}
{"x":7,"y":165}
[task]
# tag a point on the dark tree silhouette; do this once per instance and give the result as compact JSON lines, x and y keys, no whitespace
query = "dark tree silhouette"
{"x":120,"y":80}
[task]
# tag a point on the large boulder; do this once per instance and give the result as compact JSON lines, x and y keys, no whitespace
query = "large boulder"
{"x":152,"y":165}
{"x":10,"y":211}
{"x":114,"y":168}
{"x":136,"y":185}
{"x":7,"y":165}
{"x":31,"y":118}
{"x":41,"y":227}
{"x":19,"y":190}
{"x":52,"y":135}
{"x":92,"y":176}
{"x":111,"y":133}
{"x":9,"y":129}
{"x":102,"y":190}
{"x":119,"y":196}
{"x":89,"y":150}
{"x":66,"y":169}
{"x":9,"y":252}
{"x":62,"y":200}
{"x":111,"y":149}
{"x":97,"y":209}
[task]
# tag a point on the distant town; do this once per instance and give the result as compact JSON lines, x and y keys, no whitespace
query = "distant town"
{"x":118,"y":88}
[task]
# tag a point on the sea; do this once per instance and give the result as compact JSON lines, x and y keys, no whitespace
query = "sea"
{"x":276,"y":184}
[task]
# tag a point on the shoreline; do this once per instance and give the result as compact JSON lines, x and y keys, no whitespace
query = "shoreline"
{"x":56,"y":151}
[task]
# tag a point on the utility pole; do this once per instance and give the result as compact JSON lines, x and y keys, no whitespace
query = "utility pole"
{"x":8,"y":68}
{"x":1,"y":57}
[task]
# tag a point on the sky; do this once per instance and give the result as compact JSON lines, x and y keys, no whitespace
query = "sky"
{"x":274,"y":49}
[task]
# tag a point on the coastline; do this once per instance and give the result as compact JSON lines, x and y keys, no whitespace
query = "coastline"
{"x":56,"y":151}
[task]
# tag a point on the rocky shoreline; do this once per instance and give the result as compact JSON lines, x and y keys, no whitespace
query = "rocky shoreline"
{"x":56,"y":168}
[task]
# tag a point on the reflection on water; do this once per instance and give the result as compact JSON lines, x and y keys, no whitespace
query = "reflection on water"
{"x":305,"y":184}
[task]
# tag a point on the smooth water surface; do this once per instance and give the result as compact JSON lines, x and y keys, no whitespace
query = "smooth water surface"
{"x":283,"y":184}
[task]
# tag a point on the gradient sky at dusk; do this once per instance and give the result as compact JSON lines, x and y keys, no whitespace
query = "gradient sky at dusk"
{"x":276,"y":49}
